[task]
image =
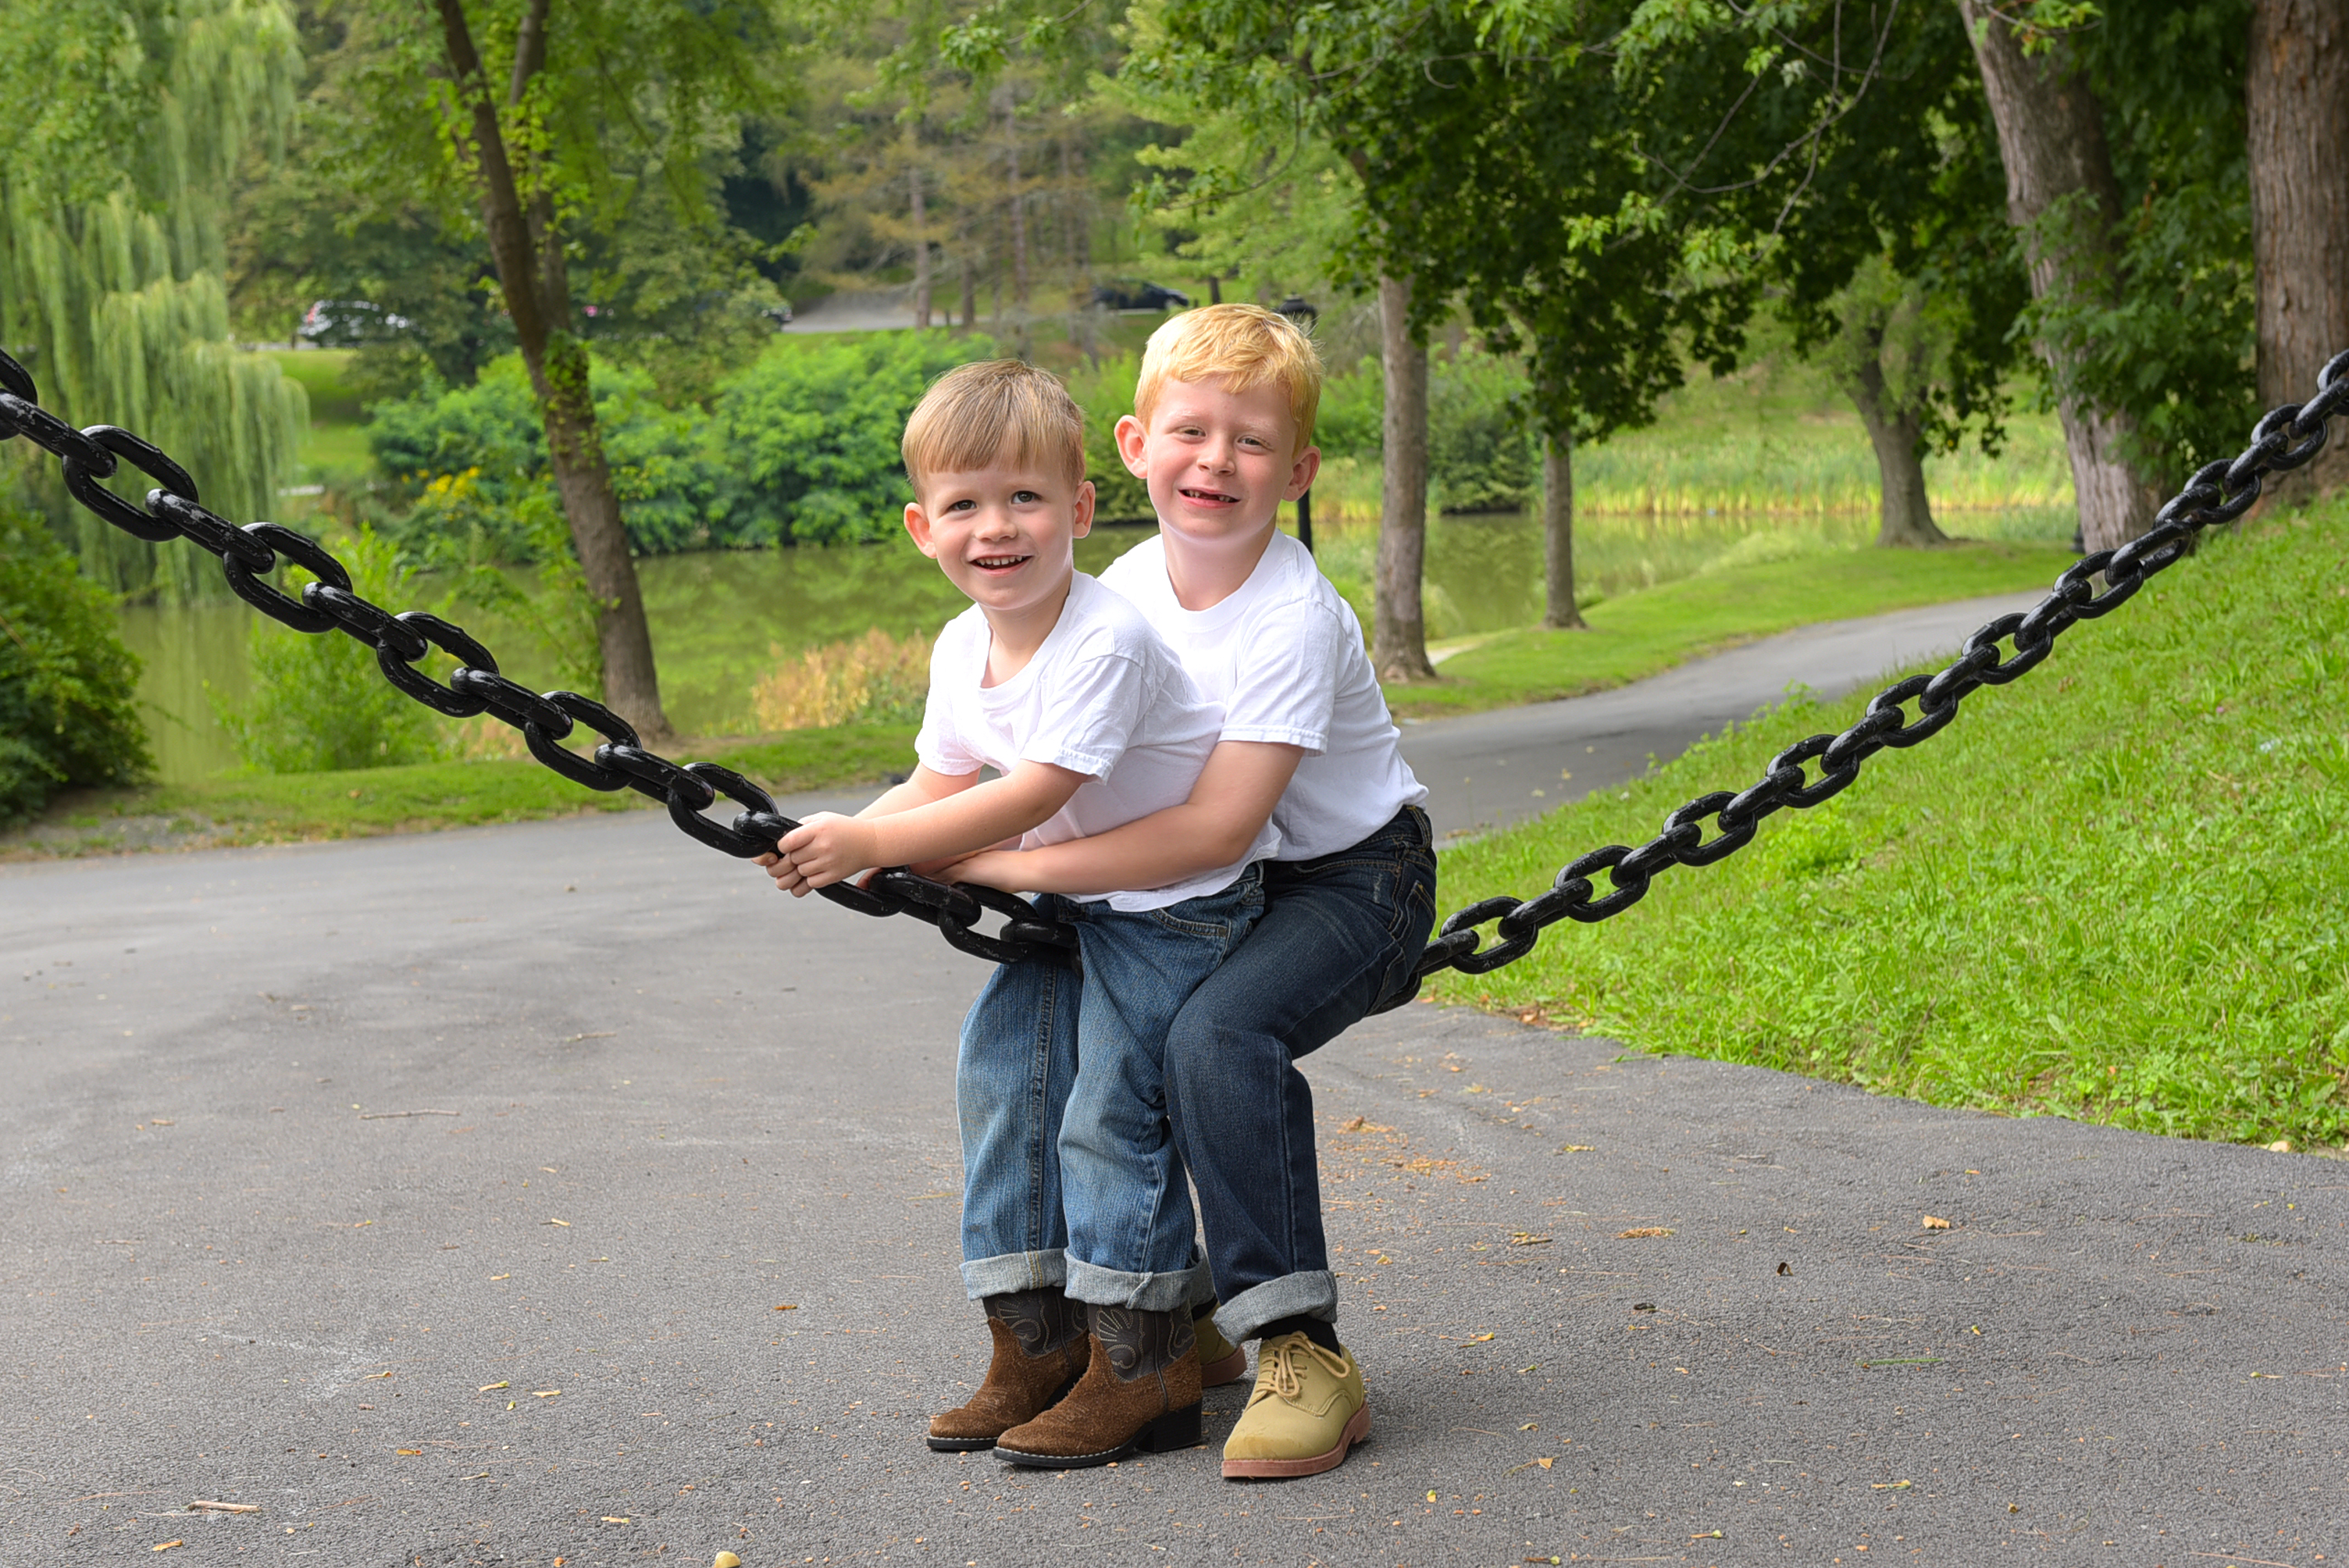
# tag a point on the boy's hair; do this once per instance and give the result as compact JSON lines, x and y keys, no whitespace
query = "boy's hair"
{"x":1246,"y":345}
{"x":976,"y":414}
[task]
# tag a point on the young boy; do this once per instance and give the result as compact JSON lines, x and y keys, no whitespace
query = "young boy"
{"x":1221,"y":434}
{"x":1077,"y":1222}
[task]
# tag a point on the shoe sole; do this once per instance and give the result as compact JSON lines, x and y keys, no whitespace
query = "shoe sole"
{"x":1174,"y":1430}
{"x":1358,"y":1429}
{"x":1229,"y":1369}
{"x":959,"y":1445}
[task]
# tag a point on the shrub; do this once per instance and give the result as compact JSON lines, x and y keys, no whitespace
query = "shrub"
{"x":1105,"y":393}
{"x":874,"y":679}
{"x":1480,"y":449}
{"x":811,"y":432}
{"x":320,"y":702}
{"x":68,"y":713}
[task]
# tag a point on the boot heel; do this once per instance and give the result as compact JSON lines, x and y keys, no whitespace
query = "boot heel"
{"x":1174,"y":1430}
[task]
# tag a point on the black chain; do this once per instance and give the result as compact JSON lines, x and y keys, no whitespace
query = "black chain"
{"x":2219,"y":493}
{"x":249,"y":556}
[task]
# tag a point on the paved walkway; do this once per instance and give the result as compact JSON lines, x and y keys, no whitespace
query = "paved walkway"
{"x":560,"y":1190}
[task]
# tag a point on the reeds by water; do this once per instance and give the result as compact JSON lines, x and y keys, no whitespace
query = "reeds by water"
{"x":876,"y":678}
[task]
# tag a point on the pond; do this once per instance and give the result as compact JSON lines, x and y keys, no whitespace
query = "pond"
{"x":722,"y":619}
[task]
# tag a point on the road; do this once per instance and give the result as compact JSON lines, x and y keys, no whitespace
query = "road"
{"x":560,"y":1192}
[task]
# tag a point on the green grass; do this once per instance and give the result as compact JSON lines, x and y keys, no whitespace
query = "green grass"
{"x":2116,"y":890}
{"x":272,"y":809}
{"x":1641,"y":633}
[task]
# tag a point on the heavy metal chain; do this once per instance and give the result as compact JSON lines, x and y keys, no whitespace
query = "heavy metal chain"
{"x":249,"y":554}
{"x":2219,"y":493}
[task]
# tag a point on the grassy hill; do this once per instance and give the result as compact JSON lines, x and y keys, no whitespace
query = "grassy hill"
{"x":2116,"y":890}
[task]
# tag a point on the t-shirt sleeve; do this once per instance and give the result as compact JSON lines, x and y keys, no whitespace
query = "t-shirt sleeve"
{"x":1088,"y":719}
{"x":1288,"y":688}
{"x":939,"y":745}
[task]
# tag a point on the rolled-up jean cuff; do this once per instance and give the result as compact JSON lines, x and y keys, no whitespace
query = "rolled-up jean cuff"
{"x":1008,"y":1272}
{"x":1174,"y":1292}
{"x":1309,"y":1294}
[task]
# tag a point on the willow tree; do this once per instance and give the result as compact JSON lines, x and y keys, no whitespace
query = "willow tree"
{"x":127,"y":128}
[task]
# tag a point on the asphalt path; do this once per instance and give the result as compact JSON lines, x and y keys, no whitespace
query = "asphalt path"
{"x":560,"y":1192}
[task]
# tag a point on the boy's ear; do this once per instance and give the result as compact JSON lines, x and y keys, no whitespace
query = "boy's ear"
{"x":1084,"y":523}
{"x":1302,"y":473}
{"x":917,"y":523}
{"x":1131,"y":439}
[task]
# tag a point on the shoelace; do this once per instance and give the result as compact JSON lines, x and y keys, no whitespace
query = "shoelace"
{"x":1287,"y":1371}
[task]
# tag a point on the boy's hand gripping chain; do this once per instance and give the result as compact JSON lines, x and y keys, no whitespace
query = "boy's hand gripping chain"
{"x":2219,"y":493}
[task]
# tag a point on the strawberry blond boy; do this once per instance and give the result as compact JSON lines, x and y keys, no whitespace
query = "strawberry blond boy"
{"x":1221,"y":434}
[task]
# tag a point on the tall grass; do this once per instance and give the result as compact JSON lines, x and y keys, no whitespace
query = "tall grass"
{"x":873,"y":679}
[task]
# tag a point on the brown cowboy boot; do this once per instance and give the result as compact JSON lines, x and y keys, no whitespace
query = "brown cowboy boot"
{"x":1040,"y":1350}
{"x":1140,"y":1393}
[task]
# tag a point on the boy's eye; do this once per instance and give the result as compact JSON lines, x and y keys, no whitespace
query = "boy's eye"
{"x":1025,"y":498}
{"x":964,"y":505}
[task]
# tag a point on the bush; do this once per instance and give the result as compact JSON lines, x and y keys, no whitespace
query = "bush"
{"x":487,"y":443}
{"x":1105,"y":393}
{"x":874,"y":679}
{"x":811,"y":432}
{"x":321,"y":702}
{"x":68,"y":712}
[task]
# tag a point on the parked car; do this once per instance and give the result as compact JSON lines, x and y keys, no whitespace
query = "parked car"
{"x":348,"y":322}
{"x":779,"y":317}
{"x":1126,"y":294}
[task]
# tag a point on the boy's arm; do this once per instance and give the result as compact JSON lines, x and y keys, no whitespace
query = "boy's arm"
{"x":898,"y":829}
{"x":1229,"y":805}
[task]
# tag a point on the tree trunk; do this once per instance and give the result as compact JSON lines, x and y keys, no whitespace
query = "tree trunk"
{"x":532,"y":274}
{"x":1559,"y":611}
{"x":2297,"y":93}
{"x":1077,"y":211}
{"x":969,"y":295}
{"x":921,"y":249}
{"x":1398,"y":625}
{"x":2050,"y":138}
{"x":1018,"y":210}
{"x":1897,"y":435}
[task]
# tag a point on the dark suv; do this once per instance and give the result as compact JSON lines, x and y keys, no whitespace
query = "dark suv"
{"x":1127,"y":294}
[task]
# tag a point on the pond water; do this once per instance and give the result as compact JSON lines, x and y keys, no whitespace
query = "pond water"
{"x":722,"y":619}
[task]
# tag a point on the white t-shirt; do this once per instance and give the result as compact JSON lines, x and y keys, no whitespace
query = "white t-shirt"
{"x":1284,"y":656}
{"x":1102,"y":696}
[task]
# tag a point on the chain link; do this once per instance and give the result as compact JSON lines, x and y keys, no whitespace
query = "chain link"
{"x":2219,"y":493}
{"x":250,"y":555}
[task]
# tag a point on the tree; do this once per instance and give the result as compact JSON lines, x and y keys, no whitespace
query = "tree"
{"x":2297,"y":98}
{"x":554,"y":125}
{"x":127,"y":126}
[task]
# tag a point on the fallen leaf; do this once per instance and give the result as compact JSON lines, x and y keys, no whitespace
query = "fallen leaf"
{"x":407,"y":1450}
{"x":726,"y":1560}
{"x":615,"y":1519}
{"x":167,"y":1545}
{"x":372,"y":1376}
{"x":545,"y":1393}
{"x":787,"y":1306}
{"x":1356,"y":1124}
{"x":487,"y":1387}
{"x":494,"y":1278}
{"x":1887,"y":1485}
{"x":1643,"y":1230}
{"x":1578,"y":1148}
{"x":565,"y":1223}
{"x":1932,"y":1224}
{"x":1708,"y":1535}
{"x":1785,"y":1268}
{"x":1526,"y":1239}
{"x":1530,"y":1427}
{"x":1544,"y":1463}
{"x":1476,"y":1339}
{"x":2281,"y":1146}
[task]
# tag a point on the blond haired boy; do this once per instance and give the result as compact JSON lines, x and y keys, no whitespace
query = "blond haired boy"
{"x":1078,"y":1234}
{"x":1221,"y":434}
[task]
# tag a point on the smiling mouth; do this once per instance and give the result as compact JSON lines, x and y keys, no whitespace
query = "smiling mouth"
{"x":1211,"y":497}
{"x":1000,"y":562}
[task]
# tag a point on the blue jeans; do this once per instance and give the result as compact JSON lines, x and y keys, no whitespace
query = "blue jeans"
{"x":1339,"y":934}
{"x":1071,"y":1175}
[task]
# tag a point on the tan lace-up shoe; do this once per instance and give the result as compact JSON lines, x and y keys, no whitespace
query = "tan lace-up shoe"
{"x":1220,"y":1360}
{"x":1309,"y":1408}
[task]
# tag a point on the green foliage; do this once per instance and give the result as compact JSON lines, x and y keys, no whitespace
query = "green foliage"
{"x":129,"y":125}
{"x":1918,"y":937}
{"x":320,"y":703}
{"x":811,"y":431}
{"x":1480,"y":454}
{"x":1105,"y":393}
{"x":68,"y":715}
